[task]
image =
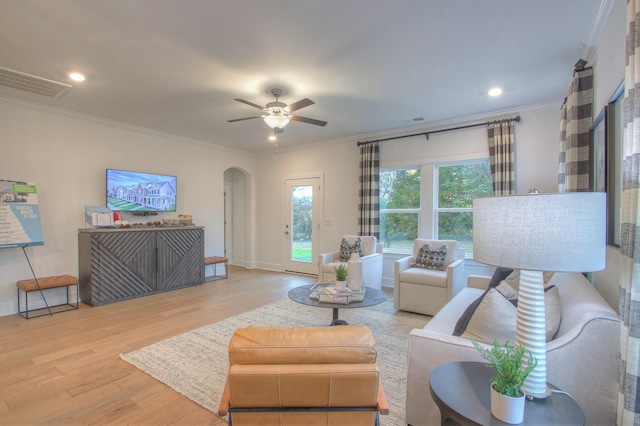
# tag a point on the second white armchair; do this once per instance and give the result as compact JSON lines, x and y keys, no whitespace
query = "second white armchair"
{"x":427,"y":288}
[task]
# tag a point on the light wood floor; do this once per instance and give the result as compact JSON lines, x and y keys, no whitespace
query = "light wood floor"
{"x":65,"y":369}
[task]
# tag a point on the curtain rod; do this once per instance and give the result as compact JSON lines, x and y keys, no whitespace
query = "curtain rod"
{"x":506,"y":120}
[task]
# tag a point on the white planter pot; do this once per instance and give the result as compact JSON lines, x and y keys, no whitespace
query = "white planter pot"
{"x":341,"y":285}
{"x":506,"y":408}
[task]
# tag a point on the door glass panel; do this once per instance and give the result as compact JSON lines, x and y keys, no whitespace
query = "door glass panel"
{"x":301,"y":223}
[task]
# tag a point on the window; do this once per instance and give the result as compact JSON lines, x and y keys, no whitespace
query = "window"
{"x":399,"y":208}
{"x":455,"y":188}
{"x":407,"y":211}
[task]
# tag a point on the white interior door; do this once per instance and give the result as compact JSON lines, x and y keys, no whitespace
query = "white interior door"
{"x":303,"y":209}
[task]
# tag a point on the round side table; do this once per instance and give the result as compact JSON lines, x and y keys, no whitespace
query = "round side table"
{"x":461,"y":392}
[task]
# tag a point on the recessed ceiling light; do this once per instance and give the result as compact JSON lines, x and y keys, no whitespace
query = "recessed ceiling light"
{"x":76,"y":76}
{"x":495,"y":91}
{"x":272,"y":138}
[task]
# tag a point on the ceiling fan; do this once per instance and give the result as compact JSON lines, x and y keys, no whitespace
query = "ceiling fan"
{"x":278,"y":114}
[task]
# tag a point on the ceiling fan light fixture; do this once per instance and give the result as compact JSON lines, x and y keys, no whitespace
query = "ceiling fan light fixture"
{"x":276,"y":121}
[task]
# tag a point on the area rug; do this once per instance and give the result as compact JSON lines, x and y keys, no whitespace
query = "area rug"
{"x":195,"y":363}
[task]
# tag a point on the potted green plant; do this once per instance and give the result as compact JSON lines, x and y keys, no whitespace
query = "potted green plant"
{"x":341,"y":276}
{"x":507,"y":398}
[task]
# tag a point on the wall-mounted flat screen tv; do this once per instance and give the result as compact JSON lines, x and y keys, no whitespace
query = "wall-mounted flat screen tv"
{"x":140,"y":192}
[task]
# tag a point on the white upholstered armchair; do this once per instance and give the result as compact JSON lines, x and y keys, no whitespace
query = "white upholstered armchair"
{"x":371,"y":262}
{"x":424,"y":290}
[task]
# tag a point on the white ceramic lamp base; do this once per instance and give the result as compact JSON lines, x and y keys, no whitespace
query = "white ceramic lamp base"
{"x":530,"y":331}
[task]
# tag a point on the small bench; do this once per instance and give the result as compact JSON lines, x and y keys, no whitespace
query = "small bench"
{"x":46,"y":283}
{"x":215,"y":261}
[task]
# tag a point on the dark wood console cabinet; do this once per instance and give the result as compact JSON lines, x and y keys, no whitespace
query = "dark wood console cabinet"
{"x":121,"y":264}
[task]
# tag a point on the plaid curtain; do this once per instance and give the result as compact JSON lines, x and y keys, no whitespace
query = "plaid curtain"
{"x":575,"y":120}
{"x":501,"y":140}
{"x":629,"y":303}
{"x":369,"y":193}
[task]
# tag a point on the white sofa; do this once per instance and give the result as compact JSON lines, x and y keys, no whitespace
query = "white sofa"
{"x":371,"y":262}
{"x":426,"y":291}
{"x":582,"y":358}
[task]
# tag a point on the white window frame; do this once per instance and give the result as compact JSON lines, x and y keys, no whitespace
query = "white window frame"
{"x":414,"y":210}
{"x":429,"y":210}
{"x":436,"y":194}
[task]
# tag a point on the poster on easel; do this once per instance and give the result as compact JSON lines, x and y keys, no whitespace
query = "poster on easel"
{"x":19,"y":215}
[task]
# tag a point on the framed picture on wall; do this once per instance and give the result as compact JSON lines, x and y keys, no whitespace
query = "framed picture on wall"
{"x":605,"y":161}
{"x":615,"y":128}
{"x":598,"y":152}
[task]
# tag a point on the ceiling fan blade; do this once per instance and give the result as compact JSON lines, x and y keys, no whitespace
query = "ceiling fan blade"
{"x":250,"y":104}
{"x":300,"y":104}
{"x":309,"y":120}
{"x":242,"y":119}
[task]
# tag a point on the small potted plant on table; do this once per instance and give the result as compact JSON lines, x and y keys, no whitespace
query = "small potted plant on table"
{"x":507,"y":398}
{"x":341,"y":277}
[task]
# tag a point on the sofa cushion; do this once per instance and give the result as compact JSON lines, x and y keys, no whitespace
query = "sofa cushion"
{"x":431,"y":259}
{"x":499,"y":275}
{"x":494,"y":316}
{"x":507,"y":291}
{"x":347,"y":248}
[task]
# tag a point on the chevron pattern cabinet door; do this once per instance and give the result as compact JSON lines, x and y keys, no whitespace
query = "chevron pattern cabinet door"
{"x":180,"y":259}
{"x":123,"y":266}
{"x":117,"y":265}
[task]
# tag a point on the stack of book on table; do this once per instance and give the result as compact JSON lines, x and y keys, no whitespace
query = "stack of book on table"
{"x":327,"y":293}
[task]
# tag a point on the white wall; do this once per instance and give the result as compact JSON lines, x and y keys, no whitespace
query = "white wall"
{"x":339,"y":163}
{"x":537,"y":162}
{"x":66,"y":156}
{"x":609,"y":58}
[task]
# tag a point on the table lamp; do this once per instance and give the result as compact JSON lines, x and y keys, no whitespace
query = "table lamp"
{"x":539,"y":233}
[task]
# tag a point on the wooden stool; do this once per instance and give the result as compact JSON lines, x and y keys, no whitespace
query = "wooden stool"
{"x":47,"y":283}
{"x":215,"y":260}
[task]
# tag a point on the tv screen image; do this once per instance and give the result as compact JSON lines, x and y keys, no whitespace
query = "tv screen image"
{"x":140,"y":192}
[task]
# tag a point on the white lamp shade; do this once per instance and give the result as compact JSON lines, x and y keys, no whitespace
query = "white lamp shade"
{"x":563,"y":232}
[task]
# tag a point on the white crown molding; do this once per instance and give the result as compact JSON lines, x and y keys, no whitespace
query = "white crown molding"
{"x":588,"y":50}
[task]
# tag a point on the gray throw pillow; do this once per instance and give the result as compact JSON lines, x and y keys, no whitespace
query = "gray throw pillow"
{"x":431,"y":259}
{"x":346,"y":249}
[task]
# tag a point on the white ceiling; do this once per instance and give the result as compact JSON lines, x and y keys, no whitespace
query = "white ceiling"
{"x":175,"y":66}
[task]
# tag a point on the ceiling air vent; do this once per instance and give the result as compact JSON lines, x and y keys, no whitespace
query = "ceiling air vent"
{"x":30,"y":83}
